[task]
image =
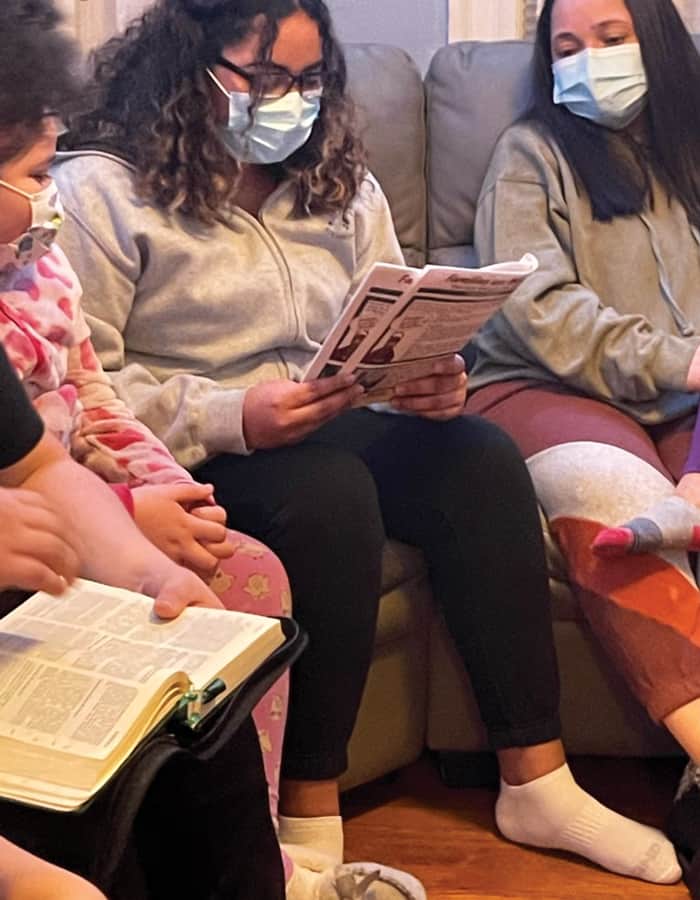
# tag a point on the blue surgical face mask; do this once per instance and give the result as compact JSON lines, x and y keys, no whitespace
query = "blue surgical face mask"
{"x":607,"y":86}
{"x":281,"y":125}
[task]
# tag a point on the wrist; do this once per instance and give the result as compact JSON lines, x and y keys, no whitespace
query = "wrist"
{"x":126,"y":497}
{"x":148,"y":571}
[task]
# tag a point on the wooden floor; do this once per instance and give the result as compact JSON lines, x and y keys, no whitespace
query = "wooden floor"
{"x":446,"y":837}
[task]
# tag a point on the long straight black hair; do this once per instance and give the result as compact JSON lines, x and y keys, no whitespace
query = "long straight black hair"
{"x":614,"y":169}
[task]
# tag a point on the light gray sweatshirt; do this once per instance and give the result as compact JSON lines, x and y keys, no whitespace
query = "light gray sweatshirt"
{"x":185,"y":317}
{"x":614,"y":310}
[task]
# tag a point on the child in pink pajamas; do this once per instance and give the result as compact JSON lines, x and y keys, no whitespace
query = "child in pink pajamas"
{"x":47,"y":341}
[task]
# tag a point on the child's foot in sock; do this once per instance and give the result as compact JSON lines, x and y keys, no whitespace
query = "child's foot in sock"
{"x":673,"y":524}
{"x":313,"y":834}
{"x":554,"y":812}
{"x":316,"y":877}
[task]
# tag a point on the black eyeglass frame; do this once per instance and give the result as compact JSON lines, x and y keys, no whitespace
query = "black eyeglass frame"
{"x":253,"y":77}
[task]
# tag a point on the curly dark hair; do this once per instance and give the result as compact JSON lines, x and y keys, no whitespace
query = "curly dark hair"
{"x":150,"y":102}
{"x":38,"y":65}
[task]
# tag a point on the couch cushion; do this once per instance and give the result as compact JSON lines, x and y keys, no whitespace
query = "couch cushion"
{"x":388,"y":90}
{"x":474,"y":92}
{"x":405,"y":593}
{"x":400,"y":564}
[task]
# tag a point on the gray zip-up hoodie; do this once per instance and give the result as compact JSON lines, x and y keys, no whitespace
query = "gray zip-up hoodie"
{"x":614,"y":309}
{"x":185,"y":317}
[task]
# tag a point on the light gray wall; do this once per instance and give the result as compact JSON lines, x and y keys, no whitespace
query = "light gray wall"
{"x":419,"y":26}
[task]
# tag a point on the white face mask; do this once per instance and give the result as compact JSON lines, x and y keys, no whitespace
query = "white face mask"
{"x":281,"y":125}
{"x":36,"y":241}
{"x":607,"y":86}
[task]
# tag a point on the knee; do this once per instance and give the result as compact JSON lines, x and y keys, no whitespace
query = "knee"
{"x":471,"y":457}
{"x":255,"y":563}
{"x":595,"y":481}
{"x":489,"y":446}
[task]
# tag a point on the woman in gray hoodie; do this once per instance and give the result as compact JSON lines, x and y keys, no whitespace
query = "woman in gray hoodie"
{"x":220,"y":213}
{"x":594,"y":364}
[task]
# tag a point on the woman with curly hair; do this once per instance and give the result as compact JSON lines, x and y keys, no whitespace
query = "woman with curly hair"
{"x":220,"y":213}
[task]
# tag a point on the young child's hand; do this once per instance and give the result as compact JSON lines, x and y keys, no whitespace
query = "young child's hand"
{"x":176,"y":589}
{"x":35,"y":552}
{"x":214,"y":513}
{"x":181,"y":520}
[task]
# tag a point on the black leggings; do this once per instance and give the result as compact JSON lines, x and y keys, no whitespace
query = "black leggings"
{"x":459,"y":491}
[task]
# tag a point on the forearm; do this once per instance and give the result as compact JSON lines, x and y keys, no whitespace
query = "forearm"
{"x":558,"y":322}
{"x":108,"y":439}
{"x":111,"y":547}
{"x":192,"y":415}
{"x":692,"y":464}
{"x":26,"y":877}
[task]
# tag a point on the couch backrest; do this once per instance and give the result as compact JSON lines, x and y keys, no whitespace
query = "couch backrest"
{"x":388,"y":89}
{"x":474,"y":92}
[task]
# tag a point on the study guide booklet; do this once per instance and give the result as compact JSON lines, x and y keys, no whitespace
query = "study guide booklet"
{"x":401,"y":320}
{"x":86,"y":677}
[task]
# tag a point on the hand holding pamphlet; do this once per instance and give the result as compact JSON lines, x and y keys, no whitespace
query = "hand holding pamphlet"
{"x":401,"y":320}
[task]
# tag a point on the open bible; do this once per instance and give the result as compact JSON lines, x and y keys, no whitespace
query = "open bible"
{"x":85,"y":677}
{"x":400,"y":320}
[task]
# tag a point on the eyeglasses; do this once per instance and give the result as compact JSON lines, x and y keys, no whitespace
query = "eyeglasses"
{"x":277,"y":81}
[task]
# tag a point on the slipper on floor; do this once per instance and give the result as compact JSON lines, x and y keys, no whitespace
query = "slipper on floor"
{"x":683,"y":830}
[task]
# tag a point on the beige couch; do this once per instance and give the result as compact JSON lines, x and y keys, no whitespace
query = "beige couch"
{"x":430,"y":142}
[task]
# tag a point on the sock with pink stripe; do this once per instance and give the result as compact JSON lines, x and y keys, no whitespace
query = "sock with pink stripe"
{"x":672,"y":524}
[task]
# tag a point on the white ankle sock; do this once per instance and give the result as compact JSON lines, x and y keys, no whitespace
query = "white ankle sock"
{"x":312,"y":874}
{"x":318,"y":834}
{"x":304,"y":884}
{"x":554,"y":812}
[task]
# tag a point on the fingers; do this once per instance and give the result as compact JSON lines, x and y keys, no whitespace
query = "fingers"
{"x":210,"y":513}
{"x":432,"y":385}
{"x":54,"y":552}
{"x":431,"y":402}
{"x":186,"y":493}
{"x":282,"y":412}
{"x":32,"y":574}
{"x":204,"y":531}
{"x":328,"y":407}
{"x":439,"y":396}
{"x":308,"y":418}
{"x":215,"y":538}
{"x":453,"y":365}
{"x":195,"y":556}
{"x":441,"y":406}
{"x":324,"y":387}
{"x":42,"y":561}
{"x":210,"y":531}
{"x":170,"y":603}
{"x":222,"y":550}
{"x":181,"y":590}
{"x":36,"y":553}
{"x":37,"y":512}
